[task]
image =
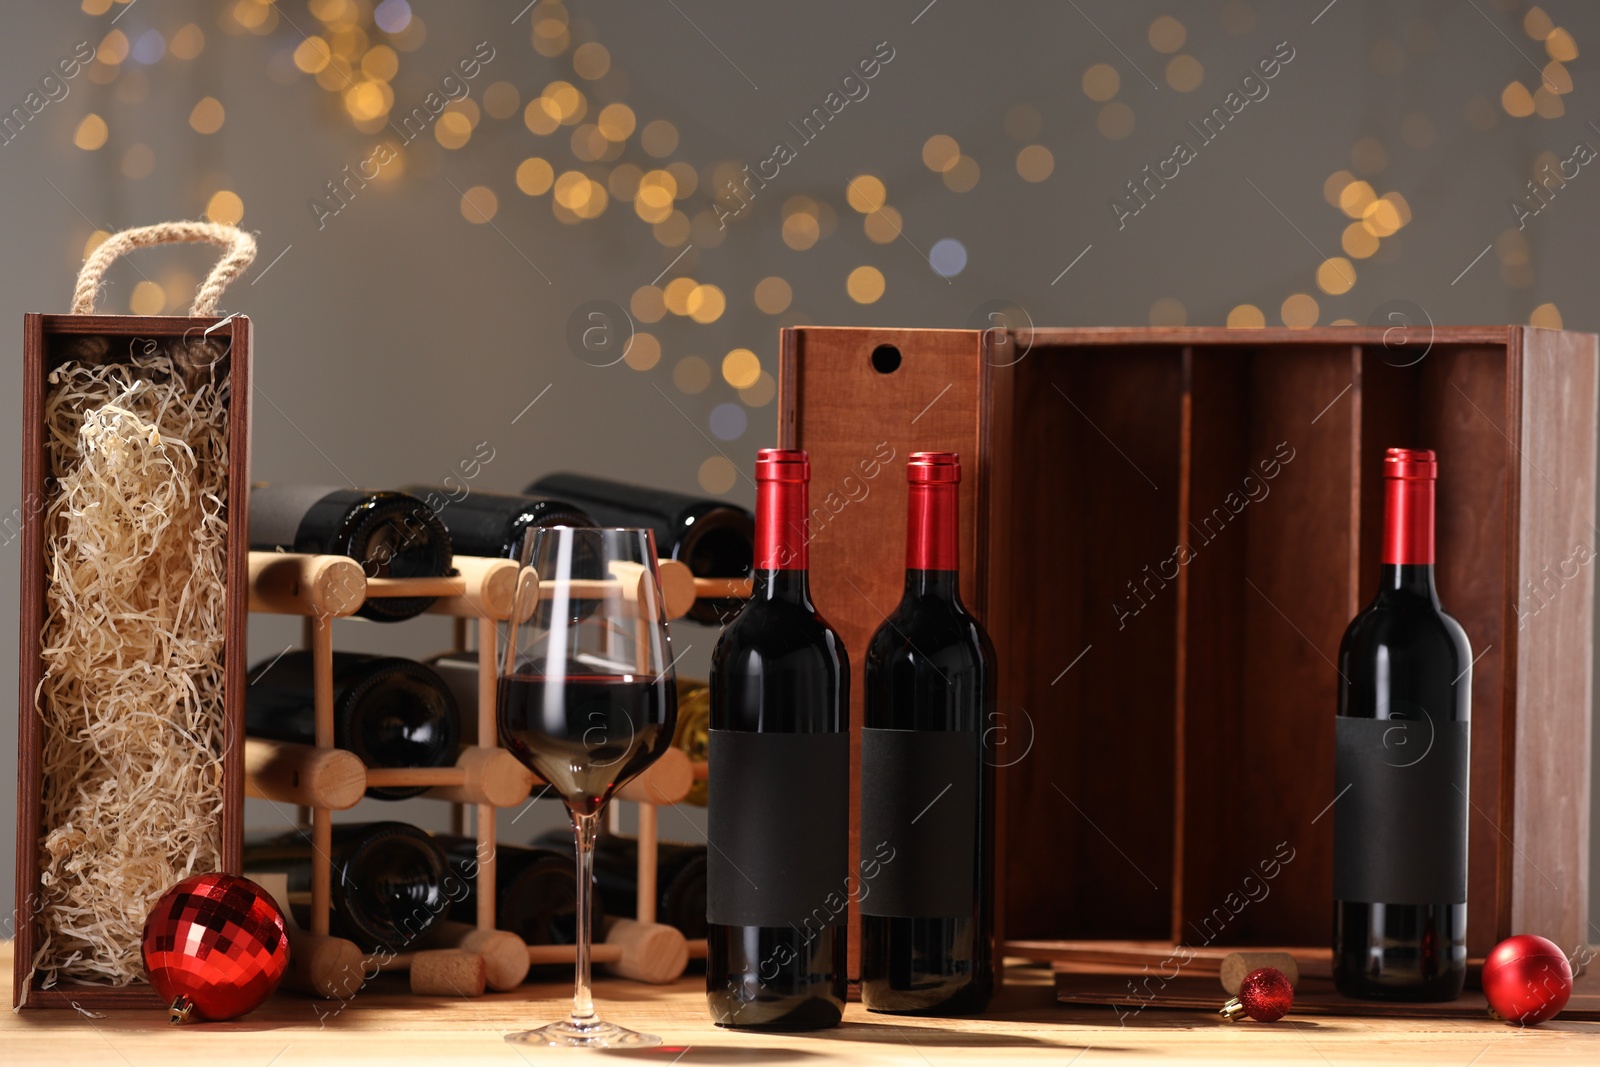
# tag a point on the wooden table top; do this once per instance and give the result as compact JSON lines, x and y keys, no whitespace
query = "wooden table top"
{"x":383,"y":1024}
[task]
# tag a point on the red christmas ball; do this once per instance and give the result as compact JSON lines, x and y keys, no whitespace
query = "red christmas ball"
{"x":1266,"y":994}
{"x":216,"y":946}
{"x":1527,"y":979}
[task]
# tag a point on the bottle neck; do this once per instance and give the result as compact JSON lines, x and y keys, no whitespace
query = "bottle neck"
{"x":781,"y":542}
{"x":931,"y":546}
{"x":784,"y":583}
{"x":1408,"y":537}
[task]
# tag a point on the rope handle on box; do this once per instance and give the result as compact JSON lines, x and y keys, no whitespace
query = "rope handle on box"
{"x":241,"y":252}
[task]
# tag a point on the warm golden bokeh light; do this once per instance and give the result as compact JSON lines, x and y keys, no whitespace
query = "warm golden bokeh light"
{"x":1336,"y":276}
{"x":940,"y":152}
{"x":647,"y":304}
{"x":865,"y":193}
{"x":706,"y":303}
{"x":718,"y":474}
{"x":535,"y":176}
{"x":691,"y":375}
{"x":962,"y":177}
{"x":147,"y":298}
{"x":741,"y":368}
{"x":591,"y":61}
{"x":800,"y":231}
{"x":207,"y":116}
{"x":91,"y":132}
{"x":1516,"y":100}
{"x":883,"y":225}
{"x":1185,"y":73}
{"x":773,"y":295}
{"x":1246,"y":317}
{"x":644,"y":352}
{"x":660,"y":138}
{"x":865,"y":285}
{"x":1546,"y":315}
{"x":1167,"y":34}
{"x":1300,"y":311}
{"x":1101,"y":82}
{"x":478,"y":204}
{"x":1035,"y":163}
{"x":1354,"y":198}
{"x":1357,"y":241}
{"x":1168,"y":311}
{"x":1115,"y":121}
{"x":225,"y":206}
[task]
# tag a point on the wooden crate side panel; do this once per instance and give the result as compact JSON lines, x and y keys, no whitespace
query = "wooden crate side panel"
{"x":1554,"y":424}
{"x":860,"y":426}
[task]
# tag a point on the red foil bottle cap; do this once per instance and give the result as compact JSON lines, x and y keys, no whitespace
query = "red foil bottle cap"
{"x":783,"y":465}
{"x":1409,"y":475}
{"x":933,"y":516}
{"x":782,"y":477}
{"x":1410,"y":463}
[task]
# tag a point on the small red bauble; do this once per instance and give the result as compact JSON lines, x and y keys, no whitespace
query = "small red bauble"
{"x":215,"y":945}
{"x":1265,"y":995}
{"x":1527,"y":979}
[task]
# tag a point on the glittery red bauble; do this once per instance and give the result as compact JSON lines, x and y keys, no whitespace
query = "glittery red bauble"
{"x":1527,"y":979}
{"x":1266,"y":995}
{"x":215,"y":945}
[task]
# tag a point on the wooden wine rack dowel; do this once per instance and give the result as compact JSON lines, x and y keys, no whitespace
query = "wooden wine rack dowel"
{"x":303,"y":775}
{"x":722,"y":588}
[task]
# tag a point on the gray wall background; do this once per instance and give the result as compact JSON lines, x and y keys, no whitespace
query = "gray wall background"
{"x":396,"y":337}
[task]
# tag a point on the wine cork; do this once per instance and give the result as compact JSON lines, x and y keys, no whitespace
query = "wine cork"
{"x":650,"y":952}
{"x":324,"y":966}
{"x":644,"y":952}
{"x":302,"y":774}
{"x":444,"y":972}
{"x":1236,"y":965}
{"x":504,"y":955}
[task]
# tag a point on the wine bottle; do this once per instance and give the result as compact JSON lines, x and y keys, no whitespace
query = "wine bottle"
{"x":390,"y":712}
{"x":927,"y":793}
{"x":492,"y":524}
{"x":1401,"y":770}
{"x":680,"y":879}
{"x":389,"y":884}
{"x":777,"y":878}
{"x":712,"y":537}
{"x":392,"y":535}
{"x":536,"y":889}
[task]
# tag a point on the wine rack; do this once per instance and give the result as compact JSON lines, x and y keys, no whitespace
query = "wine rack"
{"x":319,"y":779}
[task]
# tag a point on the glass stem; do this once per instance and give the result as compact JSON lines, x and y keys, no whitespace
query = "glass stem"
{"x":584,"y":828}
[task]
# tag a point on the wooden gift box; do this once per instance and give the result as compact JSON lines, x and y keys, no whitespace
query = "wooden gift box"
{"x":1167,"y":719}
{"x":44,"y":341}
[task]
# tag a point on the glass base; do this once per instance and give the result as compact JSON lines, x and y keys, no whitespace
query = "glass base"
{"x":569,"y":1033}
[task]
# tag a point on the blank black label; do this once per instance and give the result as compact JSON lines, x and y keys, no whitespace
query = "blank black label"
{"x":778,"y":820}
{"x":919,"y":806}
{"x":1400,"y":817}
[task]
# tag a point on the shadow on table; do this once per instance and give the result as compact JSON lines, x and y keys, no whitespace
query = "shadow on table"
{"x":670,"y":1054}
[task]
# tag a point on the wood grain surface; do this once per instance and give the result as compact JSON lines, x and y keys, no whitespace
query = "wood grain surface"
{"x":384,"y":1024}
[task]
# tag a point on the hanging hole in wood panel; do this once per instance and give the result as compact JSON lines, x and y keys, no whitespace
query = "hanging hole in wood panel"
{"x":886,"y":359}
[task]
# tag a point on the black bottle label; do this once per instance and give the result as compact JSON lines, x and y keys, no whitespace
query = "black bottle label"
{"x":919,"y":804}
{"x":1400,"y":813}
{"x":778,"y":820}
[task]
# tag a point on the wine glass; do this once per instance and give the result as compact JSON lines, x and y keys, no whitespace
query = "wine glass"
{"x":586,"y":702}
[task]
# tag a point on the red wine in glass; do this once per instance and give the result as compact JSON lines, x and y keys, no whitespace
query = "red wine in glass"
{"x":584,"y":734}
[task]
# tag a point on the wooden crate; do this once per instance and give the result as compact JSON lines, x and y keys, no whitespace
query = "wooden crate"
{"x":1180,"y":712}
{"x":43,"y":339}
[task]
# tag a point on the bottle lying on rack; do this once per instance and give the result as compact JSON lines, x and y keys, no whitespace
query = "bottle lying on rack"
{"x":492,"y":524}
{"x":714,"y":538}
{"x":927,"y":791}
{"x":692,"y":735}
{"x":390,"y":712}
{"x":392,"y":535}
{"x":389,"y":883}
{"x":536,"y":889}
{"x":1401,"y":768}
{"x":780,"y":784}
{"x":680,"y":879}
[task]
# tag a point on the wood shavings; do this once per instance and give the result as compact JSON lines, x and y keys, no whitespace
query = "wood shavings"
{"x":132,"y":692}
